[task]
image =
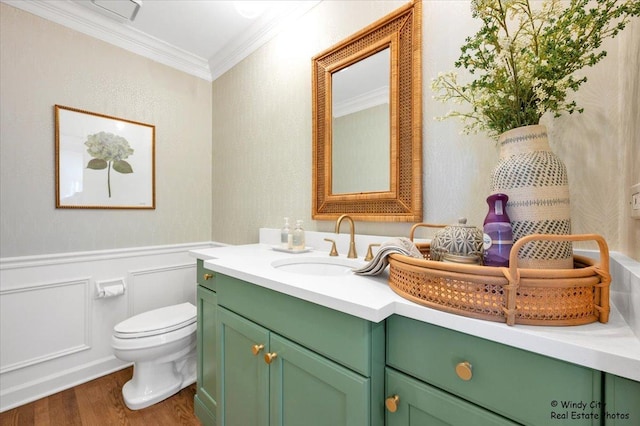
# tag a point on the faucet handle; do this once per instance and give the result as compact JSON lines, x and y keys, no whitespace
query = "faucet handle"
{"x":334,"y":250}
{"x":369,"y":255}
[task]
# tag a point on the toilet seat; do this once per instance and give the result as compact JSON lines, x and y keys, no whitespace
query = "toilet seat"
{"x":156,"y":322}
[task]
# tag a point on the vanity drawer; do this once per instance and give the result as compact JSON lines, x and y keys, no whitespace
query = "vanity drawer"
{"x":417,"y":403}
{"x":206,"y":277}
{"x":523,"y":386}
{"x":353,"y":342}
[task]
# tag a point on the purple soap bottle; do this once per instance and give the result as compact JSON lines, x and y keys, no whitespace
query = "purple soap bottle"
{"x":498,"y":237}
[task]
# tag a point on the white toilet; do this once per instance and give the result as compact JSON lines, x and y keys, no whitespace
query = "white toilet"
{"x":162,"y":345}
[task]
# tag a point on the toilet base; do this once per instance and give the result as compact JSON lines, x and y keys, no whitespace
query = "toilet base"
{"x":154,"y":382}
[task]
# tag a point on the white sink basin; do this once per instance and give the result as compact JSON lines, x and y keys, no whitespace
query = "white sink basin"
{"x":327,"y":266}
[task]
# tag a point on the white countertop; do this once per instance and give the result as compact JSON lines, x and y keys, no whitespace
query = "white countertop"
{"x":610,"y":347}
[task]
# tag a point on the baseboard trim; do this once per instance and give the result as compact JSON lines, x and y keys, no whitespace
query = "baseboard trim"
{"x":31,"y":391}
{"x":203,"y":414}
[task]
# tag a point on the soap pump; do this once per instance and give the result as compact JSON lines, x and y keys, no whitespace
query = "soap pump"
{"x":298,"y":236}
{"x":286,"y":238}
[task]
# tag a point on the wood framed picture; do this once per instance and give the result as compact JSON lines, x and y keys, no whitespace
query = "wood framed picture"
{"x":103,"y":162}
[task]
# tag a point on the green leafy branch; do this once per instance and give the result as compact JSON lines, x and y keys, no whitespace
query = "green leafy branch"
{"x":524,"y":61}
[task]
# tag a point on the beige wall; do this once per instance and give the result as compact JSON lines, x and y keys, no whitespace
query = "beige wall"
{"x":258,"y":168}
{"x":262,"y":126}
{"x":630,"y":118}
{"x":262,"y":132}
{"x":45,"y":64}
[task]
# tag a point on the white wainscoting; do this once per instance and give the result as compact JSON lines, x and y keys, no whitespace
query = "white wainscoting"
{"x":54,"y":331}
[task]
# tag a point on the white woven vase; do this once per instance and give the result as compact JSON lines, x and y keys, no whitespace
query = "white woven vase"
{"x":535,"y":180}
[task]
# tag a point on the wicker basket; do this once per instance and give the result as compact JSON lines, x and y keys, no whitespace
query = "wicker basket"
{"x":513,"y":295}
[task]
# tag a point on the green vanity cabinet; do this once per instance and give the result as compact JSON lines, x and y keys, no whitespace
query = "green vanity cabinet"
{"x":268,"y":358}
{"x":207,"y":304}
{"x":622,"y":401}
{"x":282,"y":360}
{"x":521,"y":386}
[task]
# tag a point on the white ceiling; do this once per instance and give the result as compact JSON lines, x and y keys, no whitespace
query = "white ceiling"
{"x":202,"y":37}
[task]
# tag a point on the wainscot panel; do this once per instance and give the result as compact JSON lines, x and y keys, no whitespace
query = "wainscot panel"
{"x":55,"y":332}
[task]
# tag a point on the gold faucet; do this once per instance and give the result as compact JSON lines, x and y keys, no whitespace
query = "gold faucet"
{"x":352,"y":244}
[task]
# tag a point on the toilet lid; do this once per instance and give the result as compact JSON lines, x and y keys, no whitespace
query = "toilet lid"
{"x":157,"y":321}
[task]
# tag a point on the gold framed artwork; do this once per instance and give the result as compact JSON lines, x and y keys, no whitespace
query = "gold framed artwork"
{"x":103,"y":162}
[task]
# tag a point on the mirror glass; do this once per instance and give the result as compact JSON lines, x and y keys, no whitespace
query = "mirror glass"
{"x":367,"y":122}
{"x":360,"y":145}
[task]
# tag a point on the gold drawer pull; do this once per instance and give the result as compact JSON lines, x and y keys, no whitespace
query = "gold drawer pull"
{"x":269,"y":357}
{"x":207,"y":276}
{"x":464,"y":370}
{"x":392,"y":403}
{"x":256,"y":349}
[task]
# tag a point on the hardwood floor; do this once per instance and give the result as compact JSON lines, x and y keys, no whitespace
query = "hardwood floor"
{"x":99,"y":403}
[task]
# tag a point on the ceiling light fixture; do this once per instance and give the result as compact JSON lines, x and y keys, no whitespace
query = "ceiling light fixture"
{"x":127,"y":9}
{"x":251,"y":9}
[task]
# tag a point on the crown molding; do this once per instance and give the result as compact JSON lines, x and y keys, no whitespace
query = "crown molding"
{"x":264,"y":29}
{"x":364,"y":101}
{"x":76,"y":17}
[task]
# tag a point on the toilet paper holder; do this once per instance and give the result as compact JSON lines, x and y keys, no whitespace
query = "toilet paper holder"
{"x":110,"y":288}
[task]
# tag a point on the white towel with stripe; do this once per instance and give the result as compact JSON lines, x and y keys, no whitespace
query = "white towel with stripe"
{"x":380,"y":262}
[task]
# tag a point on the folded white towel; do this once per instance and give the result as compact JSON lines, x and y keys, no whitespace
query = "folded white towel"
{"x":379,"y":262}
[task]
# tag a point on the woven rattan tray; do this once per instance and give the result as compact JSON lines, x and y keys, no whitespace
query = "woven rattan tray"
{"x":513,"y":295}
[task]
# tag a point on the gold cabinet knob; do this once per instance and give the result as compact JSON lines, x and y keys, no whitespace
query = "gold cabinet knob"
{"x":256,"y":349}
{"x":464,"y":370}
{"x":269,"y":357}
{"x":207,"y":276}
{"x":392,"y":403}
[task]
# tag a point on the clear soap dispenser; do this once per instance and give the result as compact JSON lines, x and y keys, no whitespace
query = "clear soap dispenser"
{"x":286,"y":238}
{"x":298,"y":236}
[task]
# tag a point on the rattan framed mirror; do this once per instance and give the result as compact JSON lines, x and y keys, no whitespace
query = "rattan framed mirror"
{"x":399,"y":199}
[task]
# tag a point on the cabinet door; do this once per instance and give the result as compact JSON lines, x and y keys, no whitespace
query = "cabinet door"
{"x":308,"y":389}
{"x":622,"y":401}
{"x":419,"y":404}
{"x":205,"y":399}
{"x":243,"y":375}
